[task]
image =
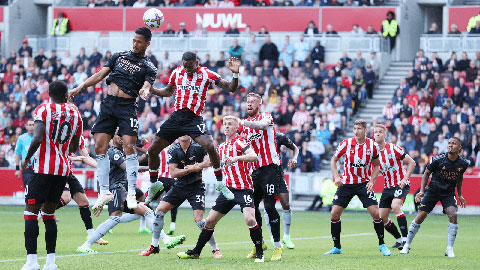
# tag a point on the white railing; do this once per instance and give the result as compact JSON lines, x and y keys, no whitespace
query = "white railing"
{"x":200,"y":44}
{"x":450,"y":43}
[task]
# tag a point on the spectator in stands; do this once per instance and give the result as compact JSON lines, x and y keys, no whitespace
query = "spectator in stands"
{"x":357,"y":31}
{"x":200,"y":31}
{"x":463,"y":64}
{"x":182,"y":32}
{"x":235,"y":50}
{"x":301,"y":50}
{"x":412,"y":79}
{"x":471,"y":72}
{"x":283,"y":3}
{"x":454,"y":30}
{"x":140,"y":4}
{"x":169,"y":30}
{"x":25,"y":48}
{"x":306,"y":161}
{"x":110,"y":3}
{"x":475,"y":30}
{"x":371,"y":31}
{"x":437,"y":62}
{"x":213,"y":3}
{"x":286,"y":51}
{"x":359,"y":62}
{"x":318,"y":54}
{"x":283,"y":69}
{"x":95,"y":57}
{"x":225,"y":4}
{"x":390,"y":29}
{"x":263,"y":31}
{"x":330,"y":30}
{"x":389,"y":111}
{"x":3,"y":162}
{"x":269,"y":51}
{"x":251,"y":49}
{"x":311,"y":29}
{"x":60,"y":26}
{"x":433,"y":30}
{"x":422,"y":59}
{"x":233,"y":30}
{"x":451,"y":63}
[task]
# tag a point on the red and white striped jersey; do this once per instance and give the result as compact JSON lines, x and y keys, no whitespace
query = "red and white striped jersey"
{"x":62,"y":122}
{"x":163,"y":169}
{"x":192,"y":91}
{"x":358,"y":158}
{"x":391,"y":164}
{"x":262,"y":141}
{"x":238,"y":176}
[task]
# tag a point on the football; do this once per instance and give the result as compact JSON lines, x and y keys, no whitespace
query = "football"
{"x":153,"y":18}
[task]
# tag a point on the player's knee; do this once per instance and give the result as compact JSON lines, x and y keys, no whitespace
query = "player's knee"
{"x":101,"y":148}
{"x":285,"y":204}
{"x":117,"y":213}
{"x":129,"y":148}
{"x":251,"y":221}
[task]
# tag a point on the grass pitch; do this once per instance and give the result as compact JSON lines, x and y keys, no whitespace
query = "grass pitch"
{"x":310,"y":232}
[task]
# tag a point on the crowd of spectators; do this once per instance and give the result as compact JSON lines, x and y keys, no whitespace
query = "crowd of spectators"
{"x":437,"y":100}
{"x":230,"y":3}
{"x":309,"y":100}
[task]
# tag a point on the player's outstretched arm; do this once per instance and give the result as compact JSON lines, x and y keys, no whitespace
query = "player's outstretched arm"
{"x":408,"y":160}
{"x":38,"y":133}
{"x":234,"y":66}
{"x":87,"y":159}
{"x":462,"y":200}
{"x":166,"y":91}
{"x":93,"y":80}
{"x":261,"y":124}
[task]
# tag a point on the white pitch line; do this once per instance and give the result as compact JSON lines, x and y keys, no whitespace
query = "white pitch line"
{"x":183,"y":246}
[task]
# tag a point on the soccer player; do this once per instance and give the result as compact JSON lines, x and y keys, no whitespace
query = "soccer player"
{"x":447,"y":170}
{"x":131,"y":72}
{"x":186,"y":163}
{"x":118,"y":184}
{"x":23,"y":143}
{"x":396,"y":185}
{"x":236,"y":156}
{"x":56,"y":133}
{"x":282,"y":139}
{"x":167,"y":181}
{"x":358,"y":179}
{"x":259,"y":131}
{"x":190,"y":84}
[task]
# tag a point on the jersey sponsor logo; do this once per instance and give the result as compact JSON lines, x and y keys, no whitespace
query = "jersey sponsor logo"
{"x":193,"y":88}
{"x":126,"y":65}
{"x":253,"y":137}
{"x":388,"y":168}
{"x":358,"y":165}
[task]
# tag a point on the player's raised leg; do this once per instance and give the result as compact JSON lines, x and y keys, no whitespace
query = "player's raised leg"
{"x":154,"y":150}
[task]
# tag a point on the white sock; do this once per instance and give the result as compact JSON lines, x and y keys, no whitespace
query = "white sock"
{"x":103,"y":169}
{"x":32,"y":258}
{"x":452,"y":234}
{"x":101,"y":230}
{"x":142,"y":224}
{"x":172,"y":225}
{"x":277,"y":244}
{"x":412,"y":230}
{"x":267,"y":222}
{"x":90,"y":231}
{"x":125,"y":218}
{"x":399,"y":240}
{"x":50,"y":258}
{"x":157,"y":227}
{"x":164,"y":237}
{"x":287,"y":219}
{"x":131,"y":169}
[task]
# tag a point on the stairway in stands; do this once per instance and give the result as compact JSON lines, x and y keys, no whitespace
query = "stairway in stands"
{"x":383,"y":91}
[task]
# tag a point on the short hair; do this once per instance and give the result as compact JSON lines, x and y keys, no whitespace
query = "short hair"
{"x":360,"y":122}
{"x":145,"y":32}
{"x":456,"y":138}
{"x":255,"y":95}
{"x":57,"y":89}
{"x":231,"y":117}
{"x":189,"y":56}
{"x":380,"y":126}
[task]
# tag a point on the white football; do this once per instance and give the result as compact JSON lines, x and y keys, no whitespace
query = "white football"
{"x":153,"y":18}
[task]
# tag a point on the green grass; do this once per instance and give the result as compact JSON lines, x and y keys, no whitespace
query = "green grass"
{"x":360,"y":248}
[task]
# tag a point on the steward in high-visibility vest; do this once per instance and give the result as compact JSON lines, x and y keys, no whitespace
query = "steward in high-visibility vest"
{"x":60,"y":25}
{"x":390,"y":29}
{"x":471,"y":23}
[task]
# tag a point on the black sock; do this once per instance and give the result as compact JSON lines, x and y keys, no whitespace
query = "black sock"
{"x":61,"y":203}
{"x":336,"y":229}
{"x":402,"y":223}
{"x":50,"y":233}
{"x":256,"y":236}
{"x":392,"y":229}
{"x":86,"y":217}
{"x":173,"y":214}
{"x":378,"y":226}
{"x":31,"y":233}
{"x":153,"y":176}
{"x":258,"y":216}
{"x":203,"y":238}
{"x":274,"y":219}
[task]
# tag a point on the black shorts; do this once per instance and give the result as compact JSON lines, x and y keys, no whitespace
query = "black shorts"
{"x":430,"y":199}
{"x":44,"y":188}
{"x":182,"y":122}
{"x":389,"y":194}
{"x":27,"y":174}
{"x":266,"y":180}
{"x":119,"y":201}
{"x":195,"y":194}
{"x":117,"y":112}
{"x":74,"y":185}
{"x":243,"y":198}
{"x":282,"y":184}
{"x":167,"y":185}
{"x":345,"y":193}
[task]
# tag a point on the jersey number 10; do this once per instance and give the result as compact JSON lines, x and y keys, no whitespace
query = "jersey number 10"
{"x":59,"y":133}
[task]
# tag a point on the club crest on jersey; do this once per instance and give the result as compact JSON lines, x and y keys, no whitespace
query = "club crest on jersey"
{"x":200,"y":76}
{"x":352,"y":151}
{"x":116,"y":157}
{"x":369,"y":152}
